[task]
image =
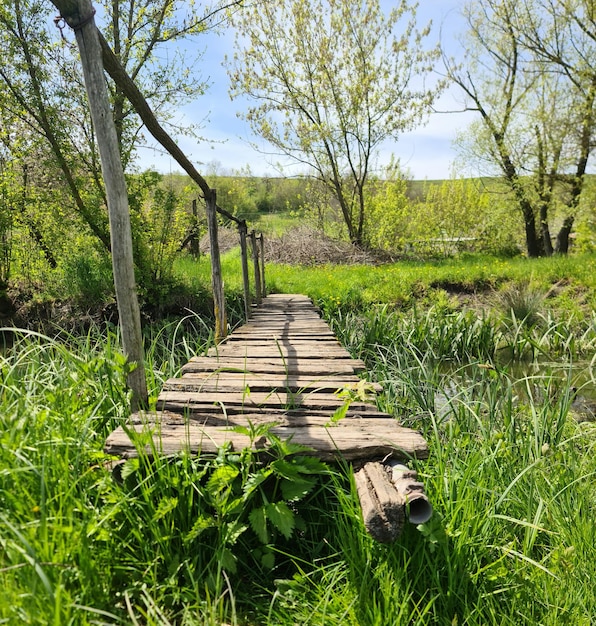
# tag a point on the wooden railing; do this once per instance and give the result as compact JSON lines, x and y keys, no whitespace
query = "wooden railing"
{"x":258,"y":255}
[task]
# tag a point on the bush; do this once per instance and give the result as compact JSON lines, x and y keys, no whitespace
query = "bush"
{"x":88,"y":277}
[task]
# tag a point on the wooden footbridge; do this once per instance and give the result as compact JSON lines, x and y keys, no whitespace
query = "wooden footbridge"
{"x":285,"y":367}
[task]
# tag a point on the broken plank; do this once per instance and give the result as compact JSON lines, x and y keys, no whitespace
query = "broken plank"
{"x":295,"y":418}
{"x":280,"y":399}
{"x":383,"y":508}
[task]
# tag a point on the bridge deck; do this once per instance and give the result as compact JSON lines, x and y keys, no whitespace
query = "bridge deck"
{"x":283,"y":367}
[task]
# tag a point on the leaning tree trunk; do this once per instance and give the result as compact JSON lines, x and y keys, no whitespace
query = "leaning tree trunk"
{"x":79,"y":15}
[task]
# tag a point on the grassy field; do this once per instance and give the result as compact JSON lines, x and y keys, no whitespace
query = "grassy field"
{"x":567,"y":283}
{"x":510,"y":476}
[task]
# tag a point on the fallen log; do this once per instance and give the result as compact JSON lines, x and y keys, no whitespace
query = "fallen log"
{"x":388,"y":495}
{"x":383,"y":509}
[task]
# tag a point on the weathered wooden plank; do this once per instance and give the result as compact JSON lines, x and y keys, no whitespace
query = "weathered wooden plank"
{"x":295,"y":418}
{"x":307,"y":331}
{"x":284,"y":298}
{"x":274,"y":338}
{"x":383,"y":508}
{"x":301,"y":417}
{"x":232,"y":381}
{"x":280,"y":351}
{"x":280,"y":346}
{"x":314,"y":327}
{"x":290,"y":366}
{"x":269,"y":308}
{"x":349,"y":439}
{"x":285,"y":317}
{"x":280,"y":399}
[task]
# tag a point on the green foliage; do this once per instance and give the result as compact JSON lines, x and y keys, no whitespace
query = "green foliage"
{"x":255,"y":198}
{"x":48,"y":139}
{"x":465,"y":214}
{"x":329,"y":98}
{"x":238,"y":196}
{"x":87,"y":276}
{"x":279,"y":539}
{"x":585,"y":226}
{"x":7,"y":200}
{"x":525,"y":84}
{"x":319,"y":208}
{"x":446,"y":218}
{"x":160,"y":218}
{"x":391,"y":225}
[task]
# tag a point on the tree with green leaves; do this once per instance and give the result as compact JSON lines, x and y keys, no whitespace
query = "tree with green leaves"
{"x":42,"y":94}
{"x":528,"y":72}
{"x":331,"y":82}
{"x":38,"y":99}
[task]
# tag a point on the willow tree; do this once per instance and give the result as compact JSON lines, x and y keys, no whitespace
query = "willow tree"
{"x":529,"y":74}
{"x":561,"y":34}
{"x":331,"y":81}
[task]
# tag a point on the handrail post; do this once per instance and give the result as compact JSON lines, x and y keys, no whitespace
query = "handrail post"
{"x":219,"y":302}
{"x":255,"y":257}
{"x":263,"y":284}
{"x":194,"y":235}
{"x":243,"y":230}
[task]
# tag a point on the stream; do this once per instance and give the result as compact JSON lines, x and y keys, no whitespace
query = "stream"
{"x":531,"y":378}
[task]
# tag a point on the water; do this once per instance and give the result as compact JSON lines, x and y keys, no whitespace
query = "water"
{"x":530,"y":378}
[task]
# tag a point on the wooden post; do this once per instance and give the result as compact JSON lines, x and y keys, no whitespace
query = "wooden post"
{"x":263,"y":284}
{"x":194,"y":240}
{"x":219,"y":301}
{"x":78,"y":14}
{"x":245,"y":280}
{"x":255,"y":258}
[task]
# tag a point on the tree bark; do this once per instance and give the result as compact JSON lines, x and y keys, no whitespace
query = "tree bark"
{"x":79,"y":15}
{"x":257,"y":269}
{"x":245,"y":277}
{"x":533,"y":246}
{"x":562,"y":245}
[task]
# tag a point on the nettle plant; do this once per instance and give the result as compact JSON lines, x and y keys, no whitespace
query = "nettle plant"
{"x":220,"y":502}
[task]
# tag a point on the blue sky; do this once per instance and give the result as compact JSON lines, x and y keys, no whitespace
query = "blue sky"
{"x":427,"y":152}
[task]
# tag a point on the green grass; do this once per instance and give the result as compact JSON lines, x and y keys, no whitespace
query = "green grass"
{"x":407,"y":282}
{"x":276,"y":224}
{"x":566,"y":282}
{"x":510,"y":475}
